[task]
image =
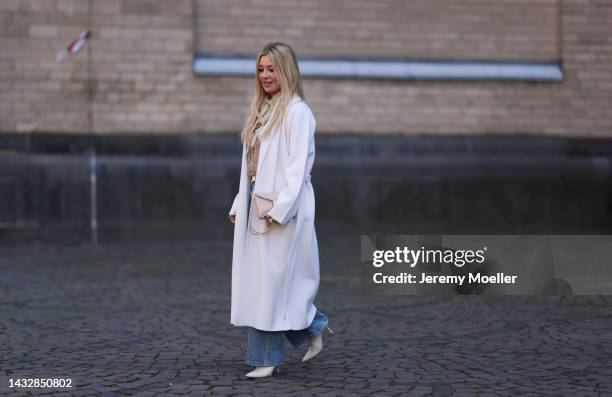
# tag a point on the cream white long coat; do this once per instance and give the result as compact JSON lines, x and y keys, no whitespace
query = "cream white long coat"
{"x":275,"y":276}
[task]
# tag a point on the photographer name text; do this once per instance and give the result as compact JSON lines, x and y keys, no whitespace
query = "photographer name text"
{"x":424,"y":278}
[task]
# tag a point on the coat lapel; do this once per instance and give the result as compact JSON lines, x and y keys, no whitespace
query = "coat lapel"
{"x":265,"y":143}
{"x":263,"y":149}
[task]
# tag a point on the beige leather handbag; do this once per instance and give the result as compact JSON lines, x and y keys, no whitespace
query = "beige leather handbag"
{"x":261,"y":204}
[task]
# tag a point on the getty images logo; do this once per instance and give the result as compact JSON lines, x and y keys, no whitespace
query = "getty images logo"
{"x":459,"y":258}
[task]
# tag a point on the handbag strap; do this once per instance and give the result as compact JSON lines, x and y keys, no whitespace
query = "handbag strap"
{"x":251,"y":228}
{"x":255,"y":232}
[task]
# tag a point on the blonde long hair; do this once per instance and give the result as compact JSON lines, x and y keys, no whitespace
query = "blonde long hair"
{"x":287,"y":72}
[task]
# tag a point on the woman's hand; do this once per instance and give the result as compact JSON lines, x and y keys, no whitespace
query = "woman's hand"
{"x":270,"y":220}
{"x":232,"y":218}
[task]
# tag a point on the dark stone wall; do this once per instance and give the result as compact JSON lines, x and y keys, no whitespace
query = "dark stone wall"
{"x":181,"y":187}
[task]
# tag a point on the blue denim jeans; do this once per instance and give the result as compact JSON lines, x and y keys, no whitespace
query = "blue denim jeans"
{"x":265,"y":348}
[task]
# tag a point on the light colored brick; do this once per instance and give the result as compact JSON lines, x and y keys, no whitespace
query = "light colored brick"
{"x":43,"y":31}
{"x":142,"y":65}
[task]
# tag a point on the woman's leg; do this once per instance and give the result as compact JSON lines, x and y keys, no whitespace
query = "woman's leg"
{"x":264,"y":348}
{"x":315,"y":328}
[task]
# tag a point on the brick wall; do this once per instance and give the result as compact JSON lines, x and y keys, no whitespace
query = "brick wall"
{"x":477,"y":29}
{"x":139,"y":76}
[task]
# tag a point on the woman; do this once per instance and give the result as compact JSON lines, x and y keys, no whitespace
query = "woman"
{"x":275,"y":268}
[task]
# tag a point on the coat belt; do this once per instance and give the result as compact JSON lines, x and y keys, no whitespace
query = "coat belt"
{"x":306,"y":178}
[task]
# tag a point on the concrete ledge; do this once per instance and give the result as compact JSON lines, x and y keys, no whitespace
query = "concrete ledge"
{"x":420,"y":185}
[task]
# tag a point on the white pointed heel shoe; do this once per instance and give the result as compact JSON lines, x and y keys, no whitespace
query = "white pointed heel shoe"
{"x":262,"y":372}
{"x":316,"y":345}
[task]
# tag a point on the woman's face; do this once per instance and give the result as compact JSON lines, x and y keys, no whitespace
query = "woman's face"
{"x":267,"y":76}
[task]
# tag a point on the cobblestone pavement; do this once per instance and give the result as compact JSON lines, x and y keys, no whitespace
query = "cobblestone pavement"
{"x":149,"y":320}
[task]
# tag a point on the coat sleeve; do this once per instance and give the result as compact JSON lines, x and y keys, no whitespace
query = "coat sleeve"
{"x":233,"y":209}
{"x":235,"y":203}
{"x":301,"y":128}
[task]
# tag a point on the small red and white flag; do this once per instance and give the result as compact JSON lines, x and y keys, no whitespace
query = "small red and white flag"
{"x":75,"y":46}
